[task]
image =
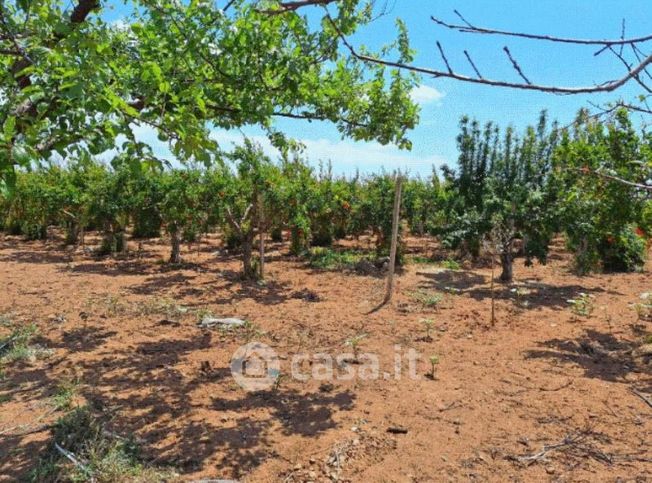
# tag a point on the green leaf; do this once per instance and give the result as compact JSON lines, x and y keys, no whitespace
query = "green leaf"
{"x":9,"y":128}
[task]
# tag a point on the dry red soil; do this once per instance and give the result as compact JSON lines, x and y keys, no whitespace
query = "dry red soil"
{"x":541,"y":377}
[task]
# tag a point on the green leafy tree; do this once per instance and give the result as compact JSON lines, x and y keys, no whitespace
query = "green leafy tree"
{"x":182,"y":207}
{"x":74,"y":82}
{"x":603,"y":217}
{"x":251,"y":198}
{"x":505,"y":186}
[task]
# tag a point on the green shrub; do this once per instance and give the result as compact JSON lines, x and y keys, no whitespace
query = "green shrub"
{"x":623,"y":252}
{"x":328,"y":259}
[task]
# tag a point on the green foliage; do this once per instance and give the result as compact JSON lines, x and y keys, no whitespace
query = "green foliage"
{"x":429,"y":325}
{"x":330,"y":259}
{"x":77,"y":83}
{"x":582,"y":305}
{"x":18,"y":346}
{"x":373,"y":212}
{"x":434,"y":361}
{"x":503,"y":190}
{"x":625,"y":251}
{"x":450,"y":264}
{"x":427,"y":298}
{"x":101,"y":455}
{"x":604,"y":219}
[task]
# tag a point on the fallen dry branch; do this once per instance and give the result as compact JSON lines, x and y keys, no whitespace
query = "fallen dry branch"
{"x":646,"y":398}
{"x":578,"y":442}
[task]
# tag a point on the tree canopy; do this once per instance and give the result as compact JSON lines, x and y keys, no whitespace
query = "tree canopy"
{"x":74,"y":82}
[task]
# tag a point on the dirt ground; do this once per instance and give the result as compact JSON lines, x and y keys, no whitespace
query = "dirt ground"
{"x":545,"y":394}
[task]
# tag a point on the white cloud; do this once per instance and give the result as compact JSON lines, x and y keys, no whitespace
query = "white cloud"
{"x":426,"y":95}
{"x":346,"y":156}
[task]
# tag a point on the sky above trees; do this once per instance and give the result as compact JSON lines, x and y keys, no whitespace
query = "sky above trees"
{"x":444,"y":101}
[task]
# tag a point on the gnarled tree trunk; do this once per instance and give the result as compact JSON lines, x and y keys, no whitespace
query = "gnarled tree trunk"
{"x":175,"y":241}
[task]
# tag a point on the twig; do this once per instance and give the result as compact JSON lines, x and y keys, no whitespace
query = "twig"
{"x":75,"y":461}
{"x":477,"y":72}
{"x":517,"y":67}
{"x":443,"y":56}
{"x":607,"y":86}
{"x":644,"y":397}
{"x":469,"y":28}
{"x":563,"y":386}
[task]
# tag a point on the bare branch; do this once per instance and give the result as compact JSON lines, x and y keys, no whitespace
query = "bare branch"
{"x":469,"y":28}
{"x":610,"y":177}
{"x":443,"y":56}
{"x":477,"y":72}
{"x":517,"y":67}
{"x":628,"y":66}
{"x":285,"y":7}
{"x":82,"y":10}
{"x":608,"y":86}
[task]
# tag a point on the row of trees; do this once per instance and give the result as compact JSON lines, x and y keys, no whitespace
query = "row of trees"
{"x":244,"y":196}
{"x":511,"y":191}
{"x":586,"y":181}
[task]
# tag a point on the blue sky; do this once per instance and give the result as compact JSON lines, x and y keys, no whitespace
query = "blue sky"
{"x":444,"y":101}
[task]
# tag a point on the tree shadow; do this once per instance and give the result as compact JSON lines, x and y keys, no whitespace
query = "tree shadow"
{"x":40,"y":255}
{"x":444,"y":280}
{"x":599,"y":355}
{"x":83,"y":339}
{"x":526,"y":294}
{"x":157,"y":283}
{"x":298,"y":413}
{"x":145,"y":393}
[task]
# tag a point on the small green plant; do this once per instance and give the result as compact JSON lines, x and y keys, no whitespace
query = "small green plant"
{"x":66,"y":391}
{"x":354,"y":343}
{"x":5,"y":320}
{"x":644,"y":307}
{"x":98,"y":454}
{"x":112,"y":305}
{"x":582,"y":305}
{"x":429,"y":325}
{"x":426,"y":298}
{"x":280,"y":377}
{"x":434,"y":361}
{"x":163,"y":307}
{"x":420,"y":260}
{"x":450,"y":264}
{"x":249,"y":331}
{"x":17,"y":346}
{"x":328,"y":259}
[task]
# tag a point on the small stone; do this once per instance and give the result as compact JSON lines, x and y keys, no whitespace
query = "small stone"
{"x":297,"y":467}
{"x":312,"y":475}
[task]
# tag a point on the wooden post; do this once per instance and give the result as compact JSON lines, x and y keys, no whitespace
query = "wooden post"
{"x":393,"y":247}
{"x":493,"y":296}
{"x":261,"y":240}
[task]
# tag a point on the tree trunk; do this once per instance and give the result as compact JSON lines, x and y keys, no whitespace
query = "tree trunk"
{"x":247,"y":268}
{"x":507,"y":262}
{"x":261,"y":241}
{"x":394,"y":240}
{"x":175,"y":254}
{"x":72,"y":232}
